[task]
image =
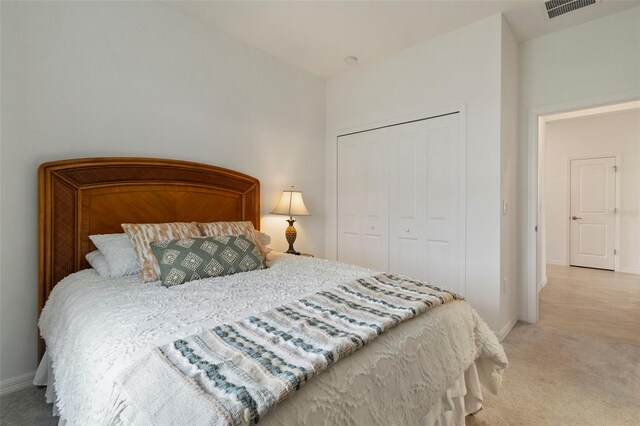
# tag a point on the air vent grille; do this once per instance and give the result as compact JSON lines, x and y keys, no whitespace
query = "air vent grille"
{"x":556,"y":8}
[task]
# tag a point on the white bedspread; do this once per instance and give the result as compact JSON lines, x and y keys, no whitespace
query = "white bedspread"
{"x":94,"y":327}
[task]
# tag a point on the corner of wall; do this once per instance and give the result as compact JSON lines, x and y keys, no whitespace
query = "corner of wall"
{"x":504,"y":331}
{"x":509,"y":261}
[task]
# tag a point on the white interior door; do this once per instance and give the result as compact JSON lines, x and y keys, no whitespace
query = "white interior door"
{"x":363,"y":220}
{"x":592,"y":199}
{"x":349,"y":201}
{"x":425,"y":202}
{"x":400,"y":200}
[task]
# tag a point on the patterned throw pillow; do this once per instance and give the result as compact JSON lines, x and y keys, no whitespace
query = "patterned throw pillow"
{"x":141,"y":234}
{"x":220,"y":229}
{"x":192,"y":259}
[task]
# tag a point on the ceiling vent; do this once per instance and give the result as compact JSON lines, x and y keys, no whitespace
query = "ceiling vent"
{"x":556,"y":8}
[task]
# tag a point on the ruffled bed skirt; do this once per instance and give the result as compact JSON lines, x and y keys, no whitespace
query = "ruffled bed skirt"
{"x":460,"y":400}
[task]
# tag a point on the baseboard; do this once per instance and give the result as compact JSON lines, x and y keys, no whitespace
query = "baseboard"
{"x":556,"y":262}
{"x":507,"y":328}
{"x":17,"y":383}
{"x":543,"y":283}
{"x":630,"y":270}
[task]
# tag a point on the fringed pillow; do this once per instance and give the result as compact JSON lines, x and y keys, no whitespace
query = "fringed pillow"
{"x":143,"y":234}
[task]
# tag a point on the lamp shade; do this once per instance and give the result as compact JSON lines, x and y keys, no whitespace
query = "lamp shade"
{"x":291,"y":204}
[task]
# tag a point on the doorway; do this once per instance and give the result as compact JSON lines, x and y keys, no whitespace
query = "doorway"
{"x":588,"y":239}
{"x":592,"y":207}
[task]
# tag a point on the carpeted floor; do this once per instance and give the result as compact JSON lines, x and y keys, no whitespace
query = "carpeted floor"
{"x":26,"y":407}
{"x":561,"y":378}
{"x":555,"y":378}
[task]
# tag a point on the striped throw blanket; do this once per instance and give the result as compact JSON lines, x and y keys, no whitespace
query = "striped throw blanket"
{"x":235,"y":373}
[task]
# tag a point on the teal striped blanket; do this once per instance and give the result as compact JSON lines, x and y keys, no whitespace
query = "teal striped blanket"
{"x":235,"y":373}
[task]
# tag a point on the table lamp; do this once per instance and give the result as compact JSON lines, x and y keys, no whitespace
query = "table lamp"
{"x":291,"y":204}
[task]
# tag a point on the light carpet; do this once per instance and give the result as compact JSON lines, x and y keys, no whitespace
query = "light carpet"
{"x":561,"y":378}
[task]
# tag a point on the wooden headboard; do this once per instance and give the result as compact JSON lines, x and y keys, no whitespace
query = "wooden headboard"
{"x":82,"y":197}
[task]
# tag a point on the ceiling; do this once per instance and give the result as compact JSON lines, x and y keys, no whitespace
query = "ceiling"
{"x":317,"y":35}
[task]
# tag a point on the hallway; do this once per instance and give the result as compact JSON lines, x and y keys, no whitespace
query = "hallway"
{"x":592,"y":302}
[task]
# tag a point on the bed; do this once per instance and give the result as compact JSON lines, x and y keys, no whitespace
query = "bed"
{"x":427,"y":370}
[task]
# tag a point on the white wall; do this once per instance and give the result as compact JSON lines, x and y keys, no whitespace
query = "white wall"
{"x":461,"y":67}
{"x":508,"y":182}
{"x":596,"y":62}
{"x":84,"y":79}
{"x":609,"y":134}
{"x":541,"y":237}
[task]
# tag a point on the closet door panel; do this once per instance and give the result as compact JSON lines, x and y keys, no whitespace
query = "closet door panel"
{"x":399,"y":200}
{"x":405,"y":176}
{"x":405,"y":257}
{"x":442,"y":203}
{"x":437,"y":269}
{"x":438,"y":169}
{"x":375,"y":222}
{"x":407,"y":172}
{"x":374,"y":249}
{"x":349,"y":201}
{"x":349,"y":250}
{"x":363,"y":220}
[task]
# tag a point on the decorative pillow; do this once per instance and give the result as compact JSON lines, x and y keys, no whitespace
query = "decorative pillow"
{"x":221,"y":229}
{"x":98,"y":262}
{"x":119,"y":254}
{"x":141,"y":234}
{"x":263,"y":240}
{"x":192,"y":259}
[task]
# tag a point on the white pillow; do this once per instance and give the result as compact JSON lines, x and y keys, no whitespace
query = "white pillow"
{"x":98,"y":262}
{"x":119,"y":254}
{"x":264,"y":240}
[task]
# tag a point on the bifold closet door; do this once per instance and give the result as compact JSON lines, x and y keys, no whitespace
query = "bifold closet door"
{"x":363,"y":218}
{"x":426,"y":220}
{"x":400,"y":200}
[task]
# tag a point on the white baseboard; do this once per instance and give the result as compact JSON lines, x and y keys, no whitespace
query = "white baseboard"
{"x":507,"y":328}
{"x":556,"y":262}
{"x":543,"y":283}
{"x":17,"y":383}
{"x":630,"y":270}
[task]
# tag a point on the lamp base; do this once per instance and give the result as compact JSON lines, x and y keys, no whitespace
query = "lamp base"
{"x":290,"y":233}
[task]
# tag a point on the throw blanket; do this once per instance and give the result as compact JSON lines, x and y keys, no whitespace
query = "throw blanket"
{"x":235,"y":373}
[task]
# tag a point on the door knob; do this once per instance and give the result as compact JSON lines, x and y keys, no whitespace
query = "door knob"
{"x":407,"y":230}
{"x":373,"y":227}
{"x":575,"y":218}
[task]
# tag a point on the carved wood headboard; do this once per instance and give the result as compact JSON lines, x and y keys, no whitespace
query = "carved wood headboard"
{"x":82,"y":197}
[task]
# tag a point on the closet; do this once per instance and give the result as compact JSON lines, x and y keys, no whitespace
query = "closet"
{"x":401,"y":200}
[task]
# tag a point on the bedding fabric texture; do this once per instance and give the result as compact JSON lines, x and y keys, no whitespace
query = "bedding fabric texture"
{"x":96,"y":327}
{"x":236,"y":373}
{"x":192,"y":259}
{"x":98,"y":262}
{"x":118,"y":252}
{"x":142,"y":234}
{"x":462,"y":398}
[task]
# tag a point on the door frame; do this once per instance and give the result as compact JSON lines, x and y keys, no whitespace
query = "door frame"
{"x":422,"y":114}
{"x":530,"y":256}
{"x":616,"y":205}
